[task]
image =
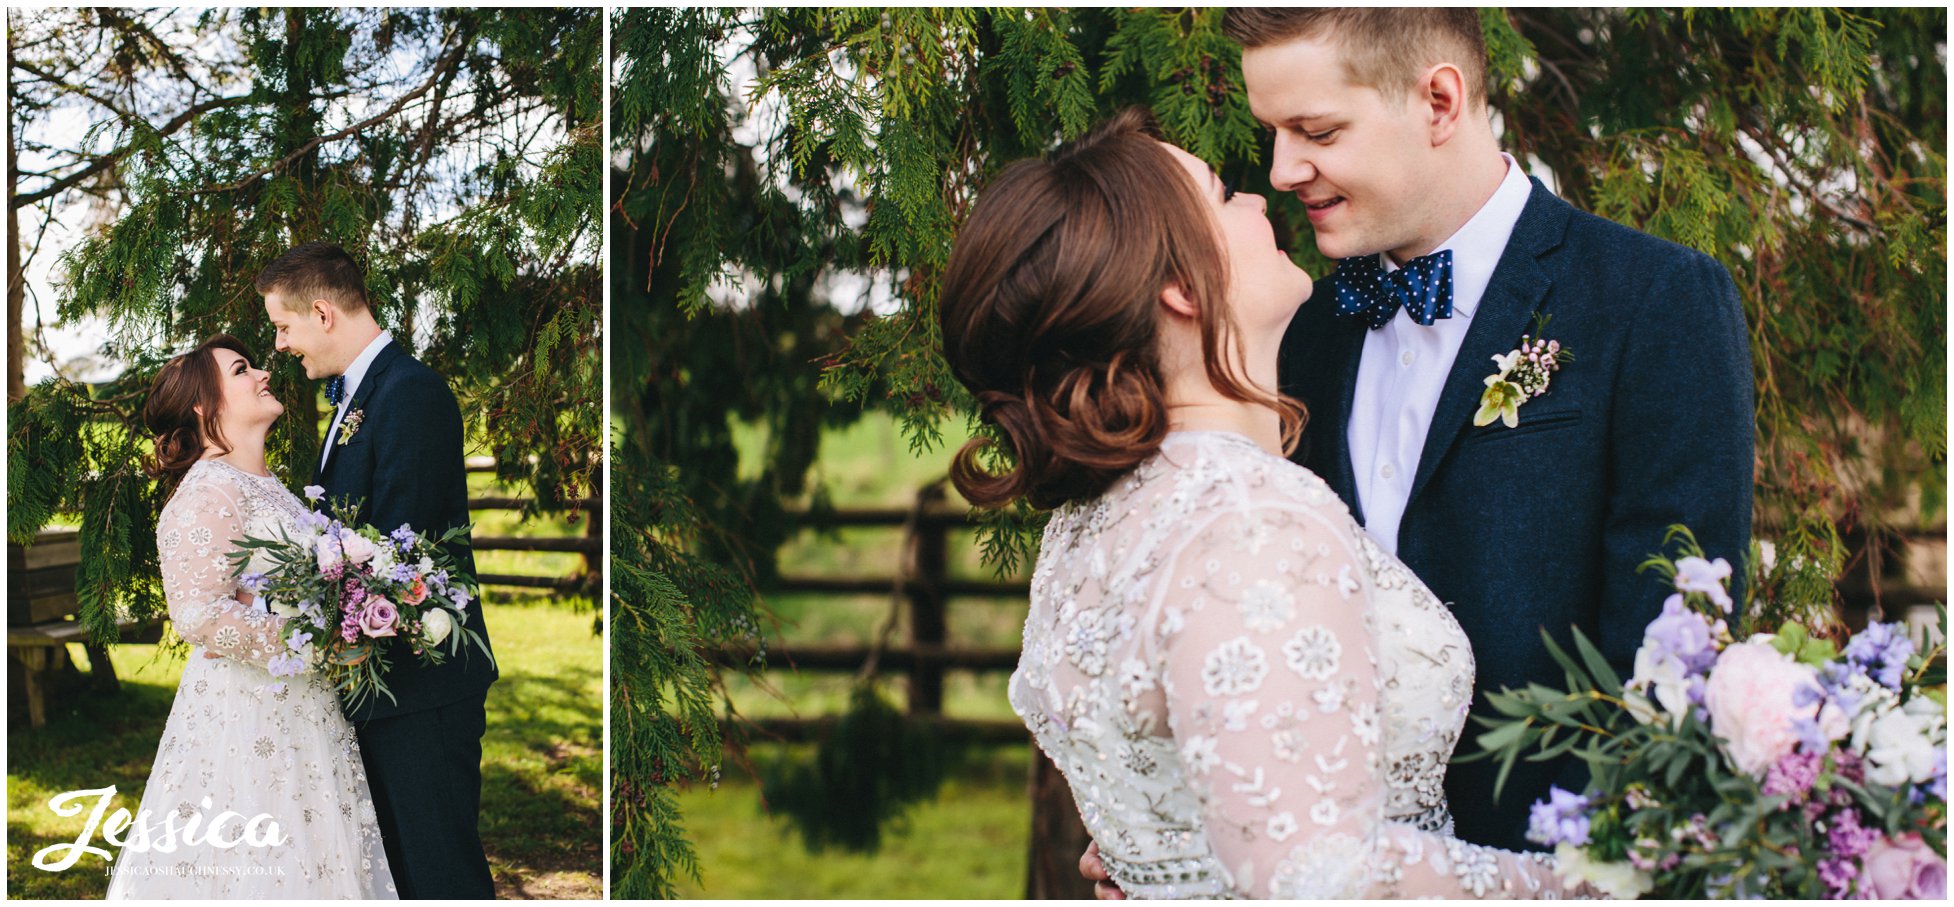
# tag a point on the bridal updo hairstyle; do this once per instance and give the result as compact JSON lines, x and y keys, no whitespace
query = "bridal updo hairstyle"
{"x":183,"y":384}
{"x":1050,"y":306}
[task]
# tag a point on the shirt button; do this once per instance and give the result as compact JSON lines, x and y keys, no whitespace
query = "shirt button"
{"x":1406,"y":358}
{"x":1386,"y":471}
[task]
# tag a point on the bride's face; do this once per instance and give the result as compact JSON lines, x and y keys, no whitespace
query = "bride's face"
{"x":246,"y":393}
{"x":1264,"y":287}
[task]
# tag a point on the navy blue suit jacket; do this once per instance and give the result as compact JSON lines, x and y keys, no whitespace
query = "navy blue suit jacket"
{"x":404,"y":465}
{"x":1542,"y":526}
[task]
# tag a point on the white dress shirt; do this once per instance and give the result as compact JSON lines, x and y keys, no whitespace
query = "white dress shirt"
{"x":354,"y":373}
{"x":1404,"y":364}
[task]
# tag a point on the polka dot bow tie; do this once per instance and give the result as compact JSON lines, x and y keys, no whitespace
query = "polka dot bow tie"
{"x":335,"y":389}
{"x":1423,"y":287}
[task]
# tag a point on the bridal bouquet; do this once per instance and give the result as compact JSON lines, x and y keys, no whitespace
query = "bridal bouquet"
{"x":358,"y":597}
{"x":1774,"y":765}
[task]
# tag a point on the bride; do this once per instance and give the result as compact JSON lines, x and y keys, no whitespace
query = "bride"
{"x":1247,"y":696}
{"x":240,"y":744}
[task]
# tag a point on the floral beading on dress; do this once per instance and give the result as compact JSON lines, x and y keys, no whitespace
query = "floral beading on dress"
{"x":239,"y":739}
{"x":1247,"y":696}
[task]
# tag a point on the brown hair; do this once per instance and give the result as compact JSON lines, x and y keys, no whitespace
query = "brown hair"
{"x":316,"y":270}
{"x":1049,"y":313}
{"x":183,"y":384}
{"x":1383,"y":47}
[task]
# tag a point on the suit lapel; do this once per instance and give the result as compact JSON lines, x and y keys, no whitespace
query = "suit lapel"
{"x":381,"y":360}
{"x":1348,"y":350}
{"x":1518,"y":287}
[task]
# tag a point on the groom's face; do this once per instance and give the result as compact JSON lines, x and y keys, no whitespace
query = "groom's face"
{"x":1355,"y":158}
{"x":304,"y":333}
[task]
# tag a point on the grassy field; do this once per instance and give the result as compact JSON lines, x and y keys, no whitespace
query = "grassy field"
{"x":971,"y":841}
{"x":542,"y":756}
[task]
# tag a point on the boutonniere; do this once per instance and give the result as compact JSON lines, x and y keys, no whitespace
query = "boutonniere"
{"x":350,"y":426}
{"x":1524,"y":374}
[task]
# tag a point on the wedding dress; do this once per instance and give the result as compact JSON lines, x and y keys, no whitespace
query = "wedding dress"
{"x":240,"y":740}
{"x":1247,"y":696}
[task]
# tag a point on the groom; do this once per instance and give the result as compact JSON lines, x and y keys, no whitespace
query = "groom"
{"x":1381,"y":129}
{"x":394,"y":448}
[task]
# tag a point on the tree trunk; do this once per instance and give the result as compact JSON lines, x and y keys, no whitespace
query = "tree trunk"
{"x":1058,"y":838}
{"x":16,"y":268}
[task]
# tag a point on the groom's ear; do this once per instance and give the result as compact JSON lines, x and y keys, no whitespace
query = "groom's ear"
{"x":1177,"y":301}
{"x":1444,"y":91}
{"x":325,"y":313}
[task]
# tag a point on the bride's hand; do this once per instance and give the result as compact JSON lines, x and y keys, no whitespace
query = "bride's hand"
{"x":1092,"y":868}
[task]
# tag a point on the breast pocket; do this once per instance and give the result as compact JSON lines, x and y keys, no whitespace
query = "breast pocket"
{"x":1531,"y":423}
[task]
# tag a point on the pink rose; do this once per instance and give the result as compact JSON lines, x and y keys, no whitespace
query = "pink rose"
{"x":378,"y":617}
{"x":1750,"y":697}
{"x":1904,"y":868}
{"x":359,"y":549}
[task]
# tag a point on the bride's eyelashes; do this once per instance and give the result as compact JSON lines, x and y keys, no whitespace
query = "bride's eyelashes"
{"x":1227,"y":191}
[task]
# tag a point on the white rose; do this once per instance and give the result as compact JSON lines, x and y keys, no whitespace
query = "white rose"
{"x":329,"y":552}
{"x":358,"y":549}
{"x":436,"y":624}
{"x":1620,"y":881}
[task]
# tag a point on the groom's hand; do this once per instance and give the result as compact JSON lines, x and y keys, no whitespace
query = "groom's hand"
{"x":1102,"y":881}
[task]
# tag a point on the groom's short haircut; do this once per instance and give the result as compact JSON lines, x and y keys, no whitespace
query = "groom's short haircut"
{"x":1383,"y":48}
{"x":316,"y":270}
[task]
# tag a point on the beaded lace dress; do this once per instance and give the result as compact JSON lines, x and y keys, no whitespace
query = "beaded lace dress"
{"x":240,"y":740}
{"x":1247,"y":696}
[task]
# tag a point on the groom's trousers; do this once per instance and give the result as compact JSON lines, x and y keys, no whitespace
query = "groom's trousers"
{"x":425,"y":769}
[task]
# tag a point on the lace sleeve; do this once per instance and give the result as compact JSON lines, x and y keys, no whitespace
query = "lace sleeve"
{"x":1271,"y":681}
{"x":194,"y":538}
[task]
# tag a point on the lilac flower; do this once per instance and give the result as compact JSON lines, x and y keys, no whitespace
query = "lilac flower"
{"x":1938,"y":787}
{"x":1561,"y":819}
{"x":438,"y":579}
{"x":1837,"y":874}
{"x":1846,"y":837}
{"x":1793,"y":776}
{"x":255,"y":582}
{"x":461,"y":597}
{"x":314,"y":492}
{"x":1694,"y":574}
{"x":1881,"y":650}
{"x":298,"y":640}
{"x":404,"y":536}
{"x":401,"y":573}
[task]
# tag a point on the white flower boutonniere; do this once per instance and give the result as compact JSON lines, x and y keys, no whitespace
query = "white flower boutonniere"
{"x":1523,"y":375}
{"x":350,"y":426}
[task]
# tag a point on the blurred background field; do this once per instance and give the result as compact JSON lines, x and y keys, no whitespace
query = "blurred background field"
{"x":970,"y":840}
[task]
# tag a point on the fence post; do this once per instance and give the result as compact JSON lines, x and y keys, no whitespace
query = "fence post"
{"x":927,"y":625}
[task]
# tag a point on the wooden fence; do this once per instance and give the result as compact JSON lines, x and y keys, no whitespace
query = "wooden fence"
{"x":926,"y":589}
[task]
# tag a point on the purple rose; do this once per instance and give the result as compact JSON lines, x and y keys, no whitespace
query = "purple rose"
{"x":1905,"y":868}
{"x":378,"y":618}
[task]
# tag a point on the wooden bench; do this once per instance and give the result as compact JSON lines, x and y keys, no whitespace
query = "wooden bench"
{"x":41,"y":650}
{"x":40,"y":601}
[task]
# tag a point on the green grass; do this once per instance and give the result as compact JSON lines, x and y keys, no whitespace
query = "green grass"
{"x":969,"y":843}
{"x":541,"y":761}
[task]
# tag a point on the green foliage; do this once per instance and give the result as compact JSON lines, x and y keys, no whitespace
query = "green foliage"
{"x":870,"y":770}
{"x":456,"y":153}
{"x":790,"y":183}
